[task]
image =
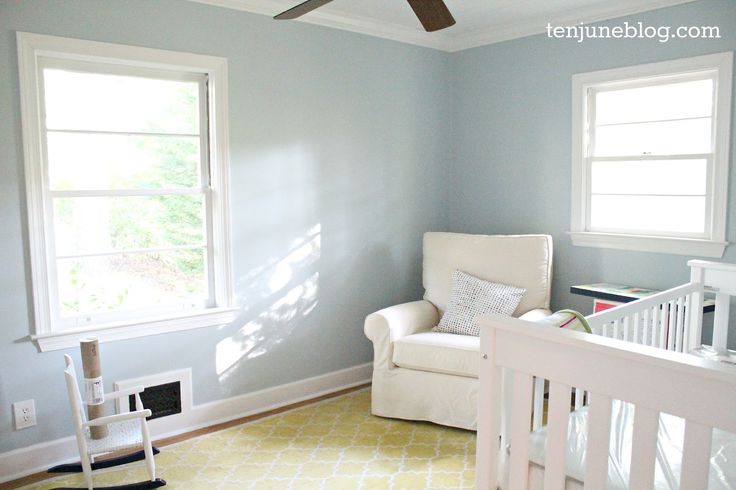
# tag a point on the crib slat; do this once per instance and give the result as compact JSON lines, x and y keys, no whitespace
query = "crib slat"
{"x":636,"y":326}
{"x":645,"y":328}
{"x":615,"y":328}
{"x":578,"y":398}
{"x":655,"y":324}
{"x":696,"y":455}
{"x":671,"y":321}
{"x":643,"y":447}
{"x":538,"y":414}
{"x":686,"y":325}
{"x":663,"y":327}
{"x":599,"y":428}
{"x":627,"y":327}
{"x":521,"y":414}
{"x":559,"y":409}
{"x":680,"y":315}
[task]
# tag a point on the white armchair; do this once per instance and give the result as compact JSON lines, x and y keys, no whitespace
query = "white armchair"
{"x":419,"y":374}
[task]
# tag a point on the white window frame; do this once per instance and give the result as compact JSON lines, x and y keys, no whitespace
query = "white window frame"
{"x":712,"y":243}
{"x":33,"y":47}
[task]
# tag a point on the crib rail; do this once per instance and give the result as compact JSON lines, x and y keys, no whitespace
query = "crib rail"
{"x":609,"y":369}
{"x":668,"y":320}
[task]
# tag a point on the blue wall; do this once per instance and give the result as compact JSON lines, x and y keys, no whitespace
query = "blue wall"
{"x":511,"y":171}
{"x":339,"y":144}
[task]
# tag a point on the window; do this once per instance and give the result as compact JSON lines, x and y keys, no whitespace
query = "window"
{"x":650,"y":156}
{"x":126,"y":175}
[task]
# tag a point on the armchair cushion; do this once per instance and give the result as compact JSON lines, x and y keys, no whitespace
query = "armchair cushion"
{"x":472,"y":297}
{"x":439,"y":353}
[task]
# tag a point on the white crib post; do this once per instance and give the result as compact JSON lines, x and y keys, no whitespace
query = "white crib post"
{"x":489,"y":415}
{"x":696,"y":308}
{"x":720,"y":322}
{"x":522,"y":406}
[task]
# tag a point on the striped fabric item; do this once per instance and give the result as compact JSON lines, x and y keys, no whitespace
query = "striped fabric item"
{"x":567,"y":319}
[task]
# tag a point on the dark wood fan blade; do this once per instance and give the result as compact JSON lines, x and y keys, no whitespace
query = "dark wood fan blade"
{"x":433,"y":14}
{"x":301,"y":9}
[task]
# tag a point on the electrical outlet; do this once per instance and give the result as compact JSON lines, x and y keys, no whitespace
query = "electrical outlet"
{"x":25,"y":414}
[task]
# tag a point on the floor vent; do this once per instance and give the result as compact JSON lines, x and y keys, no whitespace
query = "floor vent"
{"x":163,"y":400}
{"x":168,"y":395}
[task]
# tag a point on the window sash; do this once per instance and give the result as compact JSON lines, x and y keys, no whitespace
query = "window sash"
{"x":708,"y":157}
{"x":590,"y":124}
{"x":60,"y":323}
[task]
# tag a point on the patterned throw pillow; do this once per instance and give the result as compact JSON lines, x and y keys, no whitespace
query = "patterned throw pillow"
{"x":471,"y":297}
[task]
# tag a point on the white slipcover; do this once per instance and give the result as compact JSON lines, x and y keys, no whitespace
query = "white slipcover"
{"x":423,"y":375}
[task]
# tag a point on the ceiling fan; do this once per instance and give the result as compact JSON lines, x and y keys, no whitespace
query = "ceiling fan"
{"x":433,"y":14}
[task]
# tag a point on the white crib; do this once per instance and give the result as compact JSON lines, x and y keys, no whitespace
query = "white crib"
{"x":638,"y":357}
{"x":673,"y":319}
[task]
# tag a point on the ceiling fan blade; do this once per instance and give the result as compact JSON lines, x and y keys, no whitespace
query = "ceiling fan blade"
{"x":301,"y":9}
{"x":433,"y":14}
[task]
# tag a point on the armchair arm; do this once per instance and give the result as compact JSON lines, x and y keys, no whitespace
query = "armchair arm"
{"x":535,"y":314}
{"x":389,"y":324}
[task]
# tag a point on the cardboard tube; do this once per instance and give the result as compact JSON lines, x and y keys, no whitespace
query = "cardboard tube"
{"x":94,"y":393}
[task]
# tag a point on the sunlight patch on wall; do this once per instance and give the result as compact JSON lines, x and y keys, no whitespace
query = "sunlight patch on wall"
{"x":287,"y":300}
{"x":304,"y":251}
{"x":269,"y":329}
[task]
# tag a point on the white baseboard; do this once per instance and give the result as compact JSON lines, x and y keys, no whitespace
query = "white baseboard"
{"x":39,"y":457}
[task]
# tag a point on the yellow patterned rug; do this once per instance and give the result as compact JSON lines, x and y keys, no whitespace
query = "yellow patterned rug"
{"x":333,"y":444}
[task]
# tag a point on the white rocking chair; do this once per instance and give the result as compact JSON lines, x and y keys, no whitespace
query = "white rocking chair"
{"x":125,"y":431}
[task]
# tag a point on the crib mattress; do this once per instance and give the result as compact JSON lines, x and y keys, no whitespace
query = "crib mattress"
{"x":668,"y":458}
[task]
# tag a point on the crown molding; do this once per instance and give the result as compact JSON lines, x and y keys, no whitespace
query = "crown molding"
{"x":497,"y":34}
{"x":448,"y":40}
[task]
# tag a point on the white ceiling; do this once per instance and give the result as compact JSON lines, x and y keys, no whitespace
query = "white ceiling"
{"x":479,"y":22}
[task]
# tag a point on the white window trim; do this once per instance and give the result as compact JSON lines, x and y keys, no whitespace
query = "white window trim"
{"x":30,"y":47}
{"x":715,"y":244}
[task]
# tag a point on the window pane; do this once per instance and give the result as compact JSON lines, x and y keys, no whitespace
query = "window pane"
{"x":128,"y":281}
{"x":663,"y":138}
{"x":671,"y":101}
{"x":98,"y":224}
{"x":98,"y":102}
{"x":649,"y":177}
{"x":648,"y":213}
{"x":104,"y":161}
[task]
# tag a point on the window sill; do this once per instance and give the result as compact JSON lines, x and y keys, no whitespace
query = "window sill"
{"x":121,"y":331}
{"x":643,"y":243}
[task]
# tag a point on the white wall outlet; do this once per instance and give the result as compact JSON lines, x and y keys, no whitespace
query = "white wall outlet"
{"x":25,"y":414}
